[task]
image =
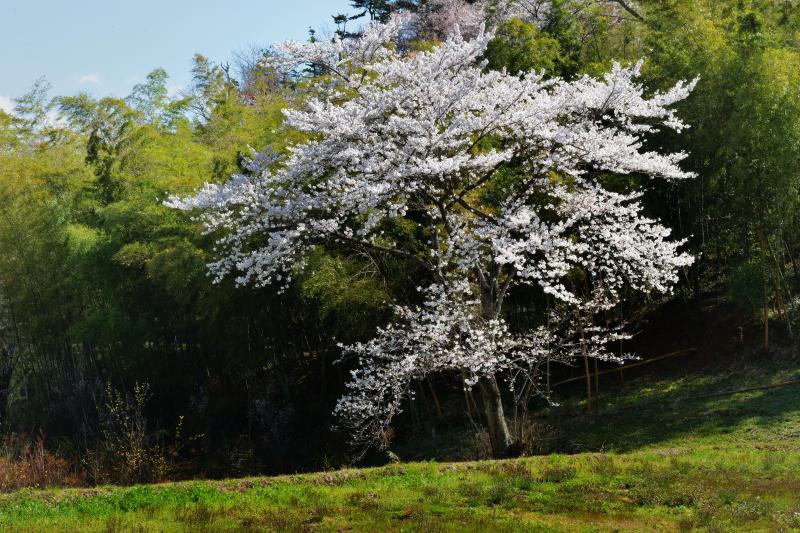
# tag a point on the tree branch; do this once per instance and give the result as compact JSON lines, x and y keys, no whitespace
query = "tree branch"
{"x":382,"y":249}
{"x":629,"y":8}
{"x":474,"y":210}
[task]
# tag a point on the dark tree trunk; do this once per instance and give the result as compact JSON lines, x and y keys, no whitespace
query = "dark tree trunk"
{"x":765,"y":310}
{"x":6,"y":372}
{"x":499,"y":434}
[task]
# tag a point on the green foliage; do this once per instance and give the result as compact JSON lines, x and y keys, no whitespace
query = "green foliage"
{"x":376,"y":9}
{"x":151,"y":100}
{"x":746,"y":285}
{"x":99,"y":280}
{"x":520,"y":47}
{"x":348,"y":292}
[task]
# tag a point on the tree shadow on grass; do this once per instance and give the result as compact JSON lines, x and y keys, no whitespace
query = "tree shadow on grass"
{"x":647,"y":413}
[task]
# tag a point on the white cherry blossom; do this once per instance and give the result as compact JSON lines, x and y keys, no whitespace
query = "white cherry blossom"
{"x":431,"y":133}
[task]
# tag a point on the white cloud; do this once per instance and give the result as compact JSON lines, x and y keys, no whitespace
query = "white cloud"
{"x":6,"y":104}
{"x":89,"y":79}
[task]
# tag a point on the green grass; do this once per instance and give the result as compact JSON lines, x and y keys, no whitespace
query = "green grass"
{"x":651,"y":458}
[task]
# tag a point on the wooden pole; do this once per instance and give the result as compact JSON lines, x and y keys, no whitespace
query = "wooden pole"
{"x":596,"y":381}
{"x":640,"y":363}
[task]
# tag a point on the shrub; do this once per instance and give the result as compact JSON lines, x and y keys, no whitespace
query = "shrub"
{"x":29,"y":465}
{"x":131,"y":450}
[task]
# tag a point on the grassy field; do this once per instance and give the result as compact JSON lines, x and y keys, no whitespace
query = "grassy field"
{"x":656,"y":455}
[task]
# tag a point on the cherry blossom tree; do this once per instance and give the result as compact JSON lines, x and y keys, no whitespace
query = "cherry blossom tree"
{"x":538,"y":12}
{"x":502,"y":174}
{"x":444,"y":17}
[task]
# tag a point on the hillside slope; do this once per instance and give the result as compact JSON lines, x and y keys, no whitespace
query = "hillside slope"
{"x":668,"y":454}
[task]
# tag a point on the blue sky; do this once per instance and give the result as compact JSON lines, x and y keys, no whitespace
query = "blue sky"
{"x":107,"y":46}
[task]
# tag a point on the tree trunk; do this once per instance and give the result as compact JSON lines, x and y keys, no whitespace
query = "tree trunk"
{"x":596,"y":380}
{"x":492,"y":295}
{"x":794,"y":264}
{"x":588,"y":375}
{"x":6,"y":372}
{"x":499,"y":434}
{"x":765,"y":310}
{"x":587,"y":372}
